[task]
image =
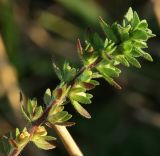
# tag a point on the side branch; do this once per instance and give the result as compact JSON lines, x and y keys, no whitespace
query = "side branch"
{"x":62,"y":131}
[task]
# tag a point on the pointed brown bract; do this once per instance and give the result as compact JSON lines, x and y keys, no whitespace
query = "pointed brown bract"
{"x":58,"y":93}
{"x":20,"y":96}
{"x":79,"y":47}
{"x":88,"y":85}
{"x":13,"y":143}
{"x":66,"y":124}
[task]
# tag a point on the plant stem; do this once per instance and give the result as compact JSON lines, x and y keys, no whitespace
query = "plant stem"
{"x":67,"y":140}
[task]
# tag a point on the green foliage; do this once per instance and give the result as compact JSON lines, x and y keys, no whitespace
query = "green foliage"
{"x":77,"y":94}
{"x":5,"y":146}
{"x":47,"y":97}
{"x":32,"y":111}
{"x":80,"y":109}
{"x":41,"y":140}
{"x":123,"y":44}
{"x":20,"y":139}
{"x":57,"y":115}
{"x":66,"y":74}
{"x":15,"y":141}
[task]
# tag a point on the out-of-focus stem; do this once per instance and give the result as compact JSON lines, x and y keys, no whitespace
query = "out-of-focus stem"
{"x":67,"y":140}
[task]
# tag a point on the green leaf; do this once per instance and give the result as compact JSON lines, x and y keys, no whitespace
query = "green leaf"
{"x":55,"y":109}
{"x":81,"y":97}
{"x":68,"y":72}
{"x":78,"y":94}
{"x":48,"y":138}
{"x":97,"y":42}
{"x":147,"y":56}
{"x":37,"y":113}
{"x":23,"y":111}
{"x":57,"y":71}
{"x":80,"y":109}
{"x":129,"y":14}
{"x":149,"y":33}
{"x":65,"y":118}
{"x":135,"y":21}
{"x":135,"y":53}
{"x":140,"y":44}
{"x":34,"y":104}
{"x":86,"y":76}
{"x":34,"y":111}
{"x":57,"y":117}
{"x":108,"y":31}
{"x":108,"y":78}
{"x":17,"y":132}
{"x":43,"y":144}
{"x":144,"y":54}
{"x":127,"y":46}
{"x":105,"y":43}
{"x":5,"y":146}
{"x":40,"y":131}
{"x":95,"y":82}
{"x":111,"y":72}
{"x":89,"y":95}
{"x":143,"y":25}
{"x":77,"y":89}
{"x":96,"y":75}
{"x":123,"y":32}
{"x":47,"y":96}
{"x":133,"y":61}
{"x":110,"y":48}
{"x":122,"y":60}
{"x":139,"y":35}
{"x":90,"y":57}
{"x":106,"y":69}
{"x":29,"y":107}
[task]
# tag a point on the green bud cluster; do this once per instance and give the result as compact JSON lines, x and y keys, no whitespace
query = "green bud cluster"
{"x":122,"y":44}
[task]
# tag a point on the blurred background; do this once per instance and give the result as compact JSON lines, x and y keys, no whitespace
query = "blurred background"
{"x":33,"y":33}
